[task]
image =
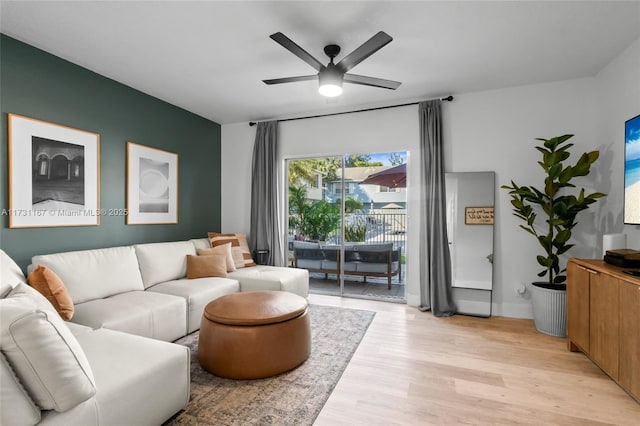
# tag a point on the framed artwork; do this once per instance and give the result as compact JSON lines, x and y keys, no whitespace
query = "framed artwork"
{"x":54,"y":174}
{"x":152,"y":185}
{"x":478,"y":215}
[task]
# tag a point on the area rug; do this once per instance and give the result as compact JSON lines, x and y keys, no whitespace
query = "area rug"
{"x":292,"y":398}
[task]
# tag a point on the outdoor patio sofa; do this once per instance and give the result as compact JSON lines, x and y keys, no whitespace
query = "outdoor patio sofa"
{"x":360,"y":259}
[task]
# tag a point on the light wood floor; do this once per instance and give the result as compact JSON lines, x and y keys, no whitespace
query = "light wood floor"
{"x":412,"y":368}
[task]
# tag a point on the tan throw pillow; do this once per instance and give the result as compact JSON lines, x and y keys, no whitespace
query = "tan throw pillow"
{"x":213,"y":265}
{"x":239,"y":247}
{"x":52,"y":288}
{"x":224,"y":249}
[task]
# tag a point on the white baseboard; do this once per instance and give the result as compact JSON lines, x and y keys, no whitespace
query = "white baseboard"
{"x":513,"y":310}
{"x":509,"y":310}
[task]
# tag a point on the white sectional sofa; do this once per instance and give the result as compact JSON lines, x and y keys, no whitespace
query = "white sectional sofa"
{"x":55,"y":372}
{"x":129,"y":303}
{"x":143,"y":289}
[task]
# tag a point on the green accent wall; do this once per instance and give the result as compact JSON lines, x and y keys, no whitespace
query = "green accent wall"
{"x":39,"y":85}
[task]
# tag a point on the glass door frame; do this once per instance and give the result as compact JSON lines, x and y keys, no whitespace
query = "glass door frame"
{"x":341,"y":255}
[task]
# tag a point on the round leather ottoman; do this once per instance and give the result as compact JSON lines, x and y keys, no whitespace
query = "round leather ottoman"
{"x":255,"y":334}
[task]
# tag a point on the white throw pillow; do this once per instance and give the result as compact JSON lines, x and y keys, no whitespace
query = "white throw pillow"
{"x":16,"y":408}
{"x":43,"y":352}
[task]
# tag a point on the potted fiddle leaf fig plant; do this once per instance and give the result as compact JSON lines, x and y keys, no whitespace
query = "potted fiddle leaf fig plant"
{"x":549,"y":215}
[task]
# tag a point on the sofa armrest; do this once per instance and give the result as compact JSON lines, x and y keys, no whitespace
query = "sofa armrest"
{"x":395,"y":255}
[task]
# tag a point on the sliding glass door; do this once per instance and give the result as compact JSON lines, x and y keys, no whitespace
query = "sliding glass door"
{"x":347,"y":223}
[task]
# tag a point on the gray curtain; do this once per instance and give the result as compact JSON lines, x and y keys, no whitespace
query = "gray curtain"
{"x":435,"y":264}
{"x":265,"y":232}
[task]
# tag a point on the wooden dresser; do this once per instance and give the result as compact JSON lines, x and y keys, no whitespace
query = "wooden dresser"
{"x":603,"y":319}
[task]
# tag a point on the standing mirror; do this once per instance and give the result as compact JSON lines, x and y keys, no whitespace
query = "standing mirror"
{"x":470,"y":208}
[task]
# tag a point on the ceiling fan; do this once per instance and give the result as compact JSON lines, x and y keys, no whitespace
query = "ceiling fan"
{"x":333,"y":75}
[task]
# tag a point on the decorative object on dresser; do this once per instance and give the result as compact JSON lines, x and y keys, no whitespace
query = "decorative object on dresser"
{"x":613,"y":242}
{"x":623,"y":257}
{"x":552,"y":229}
{"x":603,"y":319}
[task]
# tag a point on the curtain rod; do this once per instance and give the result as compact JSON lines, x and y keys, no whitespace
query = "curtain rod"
{"x":448,"y":98}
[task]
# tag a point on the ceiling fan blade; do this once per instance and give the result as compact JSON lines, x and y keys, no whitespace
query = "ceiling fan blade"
{"x":288,"y":44}
{"x":365,"y":50}
{"x":371,"y":81}
{"x":291,"y":79}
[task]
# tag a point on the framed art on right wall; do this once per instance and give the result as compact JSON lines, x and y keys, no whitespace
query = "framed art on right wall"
{"x":632,"y":171}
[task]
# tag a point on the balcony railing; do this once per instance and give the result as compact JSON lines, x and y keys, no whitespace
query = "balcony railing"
{"x":381,"y":227}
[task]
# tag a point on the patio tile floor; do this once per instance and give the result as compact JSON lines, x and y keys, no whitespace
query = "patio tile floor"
{"x":355,"y":286}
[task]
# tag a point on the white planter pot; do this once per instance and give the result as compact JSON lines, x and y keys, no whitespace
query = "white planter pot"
{"x":549,"y":309}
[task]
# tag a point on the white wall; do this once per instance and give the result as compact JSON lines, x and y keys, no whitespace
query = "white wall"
{"x":484,"y":131}
{"x":496,"y":131}
{"x":237,"y":150}
{"x":618,"y":99}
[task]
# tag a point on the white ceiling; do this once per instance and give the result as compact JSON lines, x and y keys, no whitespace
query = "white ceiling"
{"x":210,"y":57}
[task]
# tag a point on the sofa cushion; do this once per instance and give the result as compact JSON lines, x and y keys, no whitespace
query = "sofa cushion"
{"x":197,"y":293}
{"x":238,"y":245}
{"x":51,"y":286}
{"x":140,"y":381}
{"x":332,"y":252}
{"x":264,"y":277}
{"x":161,"y":262}
{"x":10,"y":274}
{"x":332,"y":265}
{"x":85,"y":414}
{"x":201,"y":243}
{"x":43,"y":352}
{"x":373,"y":247}
{"x":16,"y":407}
{"x":144,"y":313}
{"x":78,"y":329}
{"x":95,"y":274}
{"x":305,"y":245}
{"x":308,"y":255}
{"x":213,"y":265}
{"x":221,"y":249}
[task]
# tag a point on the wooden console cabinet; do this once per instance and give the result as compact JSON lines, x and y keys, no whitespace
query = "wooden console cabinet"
{"x":603,"y":319}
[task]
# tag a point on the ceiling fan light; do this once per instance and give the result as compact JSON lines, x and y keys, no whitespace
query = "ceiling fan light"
{"x":330,"y":82}
{"x":330,"y":90}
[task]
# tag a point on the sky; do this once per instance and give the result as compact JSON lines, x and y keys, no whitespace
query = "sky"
{"x":383,"y":157}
